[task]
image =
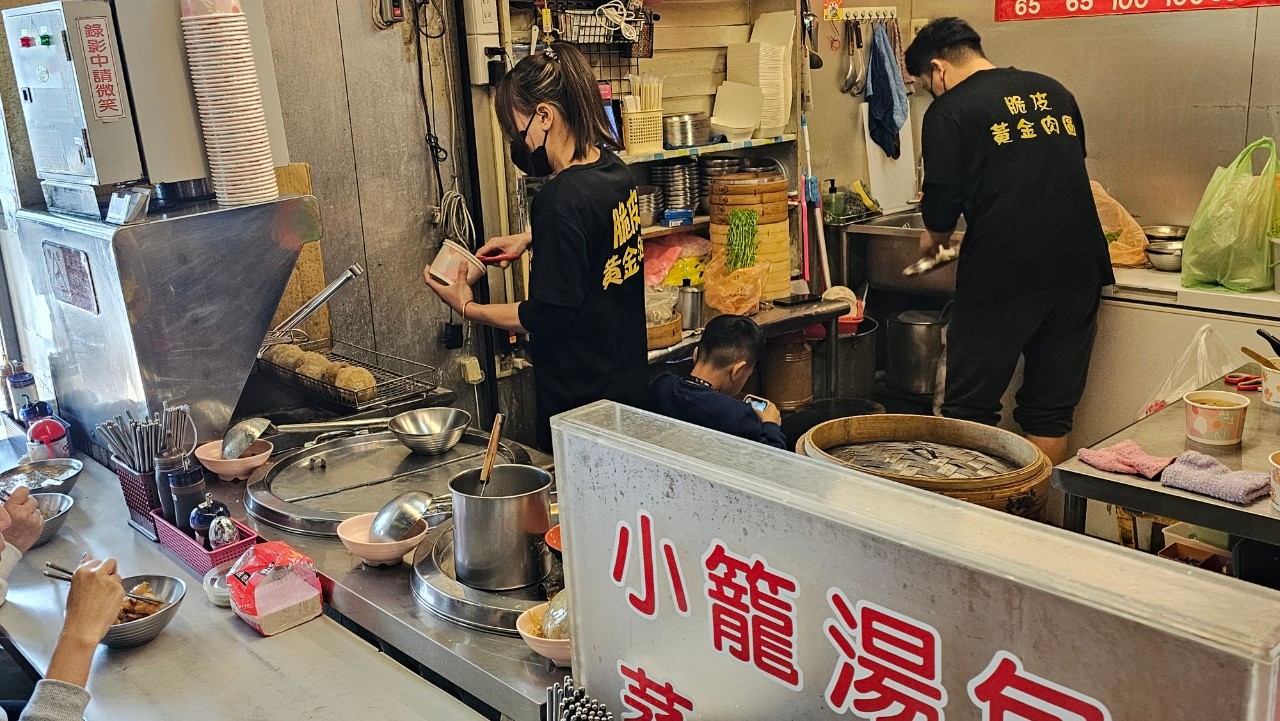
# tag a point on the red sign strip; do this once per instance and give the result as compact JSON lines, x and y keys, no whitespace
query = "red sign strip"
{"x":1007,"y":10}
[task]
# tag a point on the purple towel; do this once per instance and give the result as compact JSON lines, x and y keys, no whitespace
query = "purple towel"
{"x":1198,"y":473}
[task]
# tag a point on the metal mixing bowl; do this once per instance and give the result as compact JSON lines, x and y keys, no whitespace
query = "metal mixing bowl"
{"x":55,"y":475}
{"x":135,"y":633}
{"x":430,"y":431}
{"x":56,"y":507}
{"x":1166,"y":256}
{"x":1165,"y":232}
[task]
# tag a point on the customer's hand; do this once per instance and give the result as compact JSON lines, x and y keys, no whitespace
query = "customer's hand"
{"x":94,"y":601}
{"x":25,"y":520}
{"x":506,"y":245}
{"x":770,"y":414}
{"x":457,"y":295}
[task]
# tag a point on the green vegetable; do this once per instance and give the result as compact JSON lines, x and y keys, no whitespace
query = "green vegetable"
{"x":742,"y":243}
{"x":1112,"y":236}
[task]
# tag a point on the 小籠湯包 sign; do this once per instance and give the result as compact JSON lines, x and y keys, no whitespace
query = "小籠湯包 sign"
{"x":714,"y":578}
{"x":1048,"y":9}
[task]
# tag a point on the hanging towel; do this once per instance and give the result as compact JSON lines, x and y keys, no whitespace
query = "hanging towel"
{"x":1125,"y":457}
{"x":1198,"y":473}
{"x":886,"y":95}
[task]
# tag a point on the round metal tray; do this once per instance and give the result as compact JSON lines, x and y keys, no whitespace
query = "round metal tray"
{"x":311,"y":490}
{"x":436,"y":588}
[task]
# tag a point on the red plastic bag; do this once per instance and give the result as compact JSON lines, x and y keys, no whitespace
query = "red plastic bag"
{"x":274,"y":588}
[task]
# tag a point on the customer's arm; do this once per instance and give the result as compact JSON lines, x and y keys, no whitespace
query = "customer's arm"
{"x":20,"y":524}
{"x":93,"y":603}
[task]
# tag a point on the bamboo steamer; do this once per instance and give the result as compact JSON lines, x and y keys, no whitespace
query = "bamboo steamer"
{"x":767,"y":213}
{"x":747,"y":183}
{"x":762,"y":198}
{"x":1023,"y":492}
{"x":665,"y":335}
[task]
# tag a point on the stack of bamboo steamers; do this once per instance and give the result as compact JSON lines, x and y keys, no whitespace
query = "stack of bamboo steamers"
{"x":766,"y":194}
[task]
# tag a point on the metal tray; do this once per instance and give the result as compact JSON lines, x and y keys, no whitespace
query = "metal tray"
{"x":397,"y":378}
{"x":436,"y":588}
{"x":61,"y":480}
{"x":311,"y":490}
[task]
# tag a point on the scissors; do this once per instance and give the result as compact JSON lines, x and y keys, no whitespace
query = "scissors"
{"x":1244,"y":382}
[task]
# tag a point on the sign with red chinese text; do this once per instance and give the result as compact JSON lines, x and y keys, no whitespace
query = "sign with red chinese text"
{"x":105,"y":92}
{"x":716,"y":578}
{"x":1048,"y":9}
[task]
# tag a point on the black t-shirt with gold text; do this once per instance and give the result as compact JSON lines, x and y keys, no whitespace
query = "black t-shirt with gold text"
{"x":1006,"y":148}
{"x":585,"y":313}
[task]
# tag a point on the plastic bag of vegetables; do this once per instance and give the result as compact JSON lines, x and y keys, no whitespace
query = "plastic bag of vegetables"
{"x":1227,"y":244}
{"x":1126,"y":242}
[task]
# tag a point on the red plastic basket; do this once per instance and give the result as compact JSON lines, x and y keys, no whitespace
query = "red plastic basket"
{"x":139,"y":496}
{"x":192,"y":553}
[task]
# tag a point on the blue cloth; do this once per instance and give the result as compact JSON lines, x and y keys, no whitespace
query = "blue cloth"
{"x":886,"y":94}
{"x":677,"y":398}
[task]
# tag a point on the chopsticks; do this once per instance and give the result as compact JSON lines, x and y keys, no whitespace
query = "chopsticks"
{"x":137,"y":443}
{"x":61,"y":574}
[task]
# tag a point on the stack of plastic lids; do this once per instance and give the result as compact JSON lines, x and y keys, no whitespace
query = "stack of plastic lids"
{"x":225,"y":80}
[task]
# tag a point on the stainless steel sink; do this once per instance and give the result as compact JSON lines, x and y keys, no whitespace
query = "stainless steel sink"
{"x":893,"y":243}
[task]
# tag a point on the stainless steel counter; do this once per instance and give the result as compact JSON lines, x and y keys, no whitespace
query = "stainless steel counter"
{"x":1164,"y":434}
{"x":499,"y":671}
{"x":206,"y":656}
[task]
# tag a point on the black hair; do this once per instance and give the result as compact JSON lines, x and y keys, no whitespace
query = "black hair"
{"x":949,"y":39}
{"x":728,"y":339}
{"x":561,"y":77}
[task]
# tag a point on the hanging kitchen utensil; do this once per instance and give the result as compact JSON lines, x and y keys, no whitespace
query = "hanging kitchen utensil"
{"x":855,"y":76}
{"x":243,"y":434}
{"x":1259,"y":358}
{"x":1274,"y":341}
{"x":809,"y":33}
{"x":283,"y":333}
{"x":495,"y":438}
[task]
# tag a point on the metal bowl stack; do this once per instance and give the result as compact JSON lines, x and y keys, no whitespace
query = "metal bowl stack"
{"x":686,"y":130}
{"x":679,"y":183}
{"x":55,"y":507}
{"x":709,"y":168}
{"x":650,"y":200}
{"x":1166,"y":255}
{"x":430,"y":431}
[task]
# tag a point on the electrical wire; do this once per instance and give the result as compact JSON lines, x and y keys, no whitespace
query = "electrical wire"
{"x":456,"y":219}
{"x":616,"y":16}
{"x":422,"y":24}
{"x":437,"y":151}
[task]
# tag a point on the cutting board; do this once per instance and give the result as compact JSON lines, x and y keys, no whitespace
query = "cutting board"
{"x":893,"y":182}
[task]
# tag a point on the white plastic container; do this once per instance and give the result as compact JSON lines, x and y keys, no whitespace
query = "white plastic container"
{"x":451,"y":257}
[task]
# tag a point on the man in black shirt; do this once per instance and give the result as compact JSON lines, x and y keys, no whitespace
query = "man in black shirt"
{"x":1006,"y":149}
{"x":730,"y":348}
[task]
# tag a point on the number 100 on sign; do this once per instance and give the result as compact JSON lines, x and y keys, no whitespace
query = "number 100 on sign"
{"x":1045,"y":9}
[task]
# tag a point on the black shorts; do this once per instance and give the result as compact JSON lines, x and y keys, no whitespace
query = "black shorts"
{"x":1052,"y":330}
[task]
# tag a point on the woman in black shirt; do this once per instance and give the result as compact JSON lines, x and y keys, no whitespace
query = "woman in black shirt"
{"x":585,"y":313}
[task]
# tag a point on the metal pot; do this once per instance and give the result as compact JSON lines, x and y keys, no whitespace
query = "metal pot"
{"x":499,"y":542}
{"x":915,"y":345}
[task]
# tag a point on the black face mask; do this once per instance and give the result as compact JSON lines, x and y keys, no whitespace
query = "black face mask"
{"x":534,"y":164}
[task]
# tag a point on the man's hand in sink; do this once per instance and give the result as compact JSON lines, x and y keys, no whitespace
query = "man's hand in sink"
{"x":933,"y":244}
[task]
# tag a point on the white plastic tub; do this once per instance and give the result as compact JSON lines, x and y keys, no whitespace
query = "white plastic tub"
{"x":451,"y":257}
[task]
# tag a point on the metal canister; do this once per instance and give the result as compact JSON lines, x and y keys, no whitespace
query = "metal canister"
{"x":689,"y":306}
{"x":499,"y":528}
{"x":788,"y":372}
{"x":165,"y":464}
{"x":915,"y":347}
{"x":186,"y":485}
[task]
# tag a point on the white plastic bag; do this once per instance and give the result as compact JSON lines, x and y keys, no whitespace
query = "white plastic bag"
{"x":1207,"y":359}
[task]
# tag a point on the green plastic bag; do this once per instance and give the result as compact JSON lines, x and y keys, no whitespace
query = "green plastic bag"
{"x":1227,"y":244}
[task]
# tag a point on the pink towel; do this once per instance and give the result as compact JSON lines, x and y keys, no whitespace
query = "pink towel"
{"x":1125,"y":457}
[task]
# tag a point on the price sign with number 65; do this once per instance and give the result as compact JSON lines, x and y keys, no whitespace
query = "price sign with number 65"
{"x":1045,"y":9}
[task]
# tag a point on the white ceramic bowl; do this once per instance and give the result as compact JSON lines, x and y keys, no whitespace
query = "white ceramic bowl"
{"x":210,"y":456}
{"x":558,"y":651}
{"x":354,"y":534}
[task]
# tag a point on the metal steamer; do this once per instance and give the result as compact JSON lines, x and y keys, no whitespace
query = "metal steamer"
{"x":311,"y":490}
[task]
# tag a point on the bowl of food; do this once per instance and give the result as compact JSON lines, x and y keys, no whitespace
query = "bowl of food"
{"x":1215,"y":418}
{"x":55,"y":507}
{"x":354,"y":534}
{"x":210,"y":456}
{"x":451,"y":258}
{"x":547,"y":630}
{"x":430,"y":431}
{"x":1166,"y":255}
{"x":55,"y":475}
{"x":140,"y":622}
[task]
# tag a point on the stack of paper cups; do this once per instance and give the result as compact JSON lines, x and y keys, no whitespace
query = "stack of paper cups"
{"x":220,"y":60}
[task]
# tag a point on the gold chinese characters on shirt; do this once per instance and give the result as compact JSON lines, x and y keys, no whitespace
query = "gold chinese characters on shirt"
{"x":628,"y":253}
{"x":1035,"y":119}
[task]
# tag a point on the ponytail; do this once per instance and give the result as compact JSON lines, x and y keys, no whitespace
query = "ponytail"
{"x":561,"y":77}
